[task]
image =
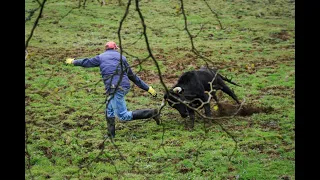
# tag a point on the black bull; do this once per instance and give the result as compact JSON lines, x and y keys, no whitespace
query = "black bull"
{"x":195,"y":85}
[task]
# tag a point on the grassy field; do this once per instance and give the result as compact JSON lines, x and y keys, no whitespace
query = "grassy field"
{"x":64,"y":105}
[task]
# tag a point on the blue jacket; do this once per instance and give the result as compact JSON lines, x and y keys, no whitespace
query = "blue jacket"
{"x":110,"y":69}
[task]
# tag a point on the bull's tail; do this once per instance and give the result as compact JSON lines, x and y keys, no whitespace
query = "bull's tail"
{"x":229,"y":80}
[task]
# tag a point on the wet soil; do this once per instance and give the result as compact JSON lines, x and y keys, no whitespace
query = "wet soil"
{"x":225,"y":109}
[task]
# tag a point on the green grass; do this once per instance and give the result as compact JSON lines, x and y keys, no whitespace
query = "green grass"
{"x":64,"y":105}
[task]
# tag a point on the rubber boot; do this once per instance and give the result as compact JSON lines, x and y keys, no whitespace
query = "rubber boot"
{"x":111,"y":126}
{"x":146,"y":113}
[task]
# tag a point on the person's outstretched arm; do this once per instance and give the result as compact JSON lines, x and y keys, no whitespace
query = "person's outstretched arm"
{"x":139,"y":82}
{"x":85,"y":62}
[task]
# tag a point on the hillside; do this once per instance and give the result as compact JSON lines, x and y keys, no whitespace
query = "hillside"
{"x":252,"y":42}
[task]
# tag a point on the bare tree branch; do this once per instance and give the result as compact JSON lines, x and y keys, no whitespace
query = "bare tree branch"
{"x":193,"y":49}
{"x":147,"y":43}
{"x":215,"y":13}
{"x":35,"y":24}
{"x":26,"y":55}
{"x":31,"y":13}
{"x":26,"y":149}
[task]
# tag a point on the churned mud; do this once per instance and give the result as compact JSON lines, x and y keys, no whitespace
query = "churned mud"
{"x":225,"y":109}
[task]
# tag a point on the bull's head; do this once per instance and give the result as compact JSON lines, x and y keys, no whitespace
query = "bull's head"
{"x":171,"y":98}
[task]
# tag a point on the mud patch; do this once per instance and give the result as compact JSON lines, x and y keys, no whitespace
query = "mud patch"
{"x":184,"y":169}
{"x":225,"y":109}
{"x":283,"y":35}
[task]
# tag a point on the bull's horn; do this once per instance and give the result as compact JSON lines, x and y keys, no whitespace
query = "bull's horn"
{"x":177,"y":89}
{"x":163,"y":103}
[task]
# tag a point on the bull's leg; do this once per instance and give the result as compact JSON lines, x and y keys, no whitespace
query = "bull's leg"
{"x":189,"y":122}
{"x":207,"y":110}
{"x":192,"y":117}
{"x":228,"y":91}
{"x":215,"y":97}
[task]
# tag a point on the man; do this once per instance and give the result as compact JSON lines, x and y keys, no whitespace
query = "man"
{"x":116,"y":76}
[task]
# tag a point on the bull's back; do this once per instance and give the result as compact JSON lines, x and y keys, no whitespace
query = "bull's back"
{"x":204,"y":78}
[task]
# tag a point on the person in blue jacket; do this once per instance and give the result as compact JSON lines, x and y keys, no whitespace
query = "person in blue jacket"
{"x":116,"y":74}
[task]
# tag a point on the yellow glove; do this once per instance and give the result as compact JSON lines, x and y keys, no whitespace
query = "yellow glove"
{"x":152,"y":91}
{"x":69,"y":60}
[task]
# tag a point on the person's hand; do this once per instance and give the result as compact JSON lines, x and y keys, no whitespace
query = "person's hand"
{"x":69,"y":60}
{"x":152,"y":91}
